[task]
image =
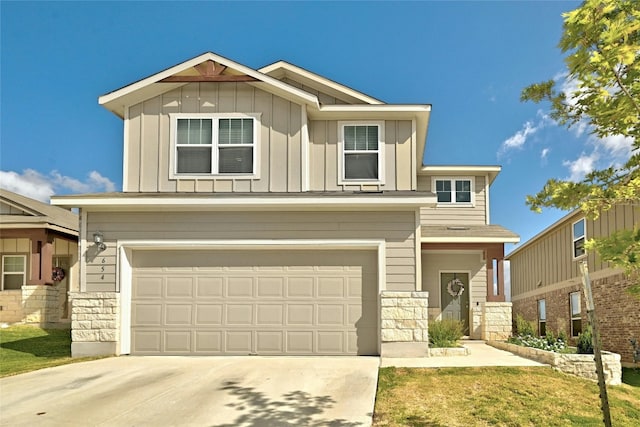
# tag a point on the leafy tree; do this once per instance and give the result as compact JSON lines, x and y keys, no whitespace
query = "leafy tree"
{"x":602,"y":41}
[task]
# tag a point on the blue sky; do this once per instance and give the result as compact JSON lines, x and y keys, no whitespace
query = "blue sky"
{"x":470,"y":60}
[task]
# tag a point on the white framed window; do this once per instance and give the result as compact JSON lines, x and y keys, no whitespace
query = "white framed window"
{"x":361,"y":152}
{"x":215,"y":144}
{"x":576,"y":313}
{"x":450,"y":190}
{"x":14,"y":271}
{"x":542,"y":317}
{"x":579,"y":234}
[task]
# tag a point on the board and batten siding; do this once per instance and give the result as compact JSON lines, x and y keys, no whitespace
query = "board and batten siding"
{"x":148,"y":146}
{"x":549,"y":259}
{"x":447,"y":215}
{"x":325,"y":99}
{"x":398,"y":229}
{"x":399,"y":170}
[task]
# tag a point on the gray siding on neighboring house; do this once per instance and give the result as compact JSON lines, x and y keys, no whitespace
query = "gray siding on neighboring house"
{"x":147,"y":155}
{"x":397,"y":228}
{"x":549,"y":258}
{"x":447,"y":215}
{"x":399,"y":147}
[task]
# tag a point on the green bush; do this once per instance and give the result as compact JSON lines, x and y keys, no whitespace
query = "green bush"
{"x":562,"y":336}
{"x":524,"y":327}
{"x":585,"y":343}
{"x":445,"y":333}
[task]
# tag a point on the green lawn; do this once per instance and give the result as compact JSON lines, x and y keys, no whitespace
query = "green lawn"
{"x":499,"y":397}
{"x":27,"y":348}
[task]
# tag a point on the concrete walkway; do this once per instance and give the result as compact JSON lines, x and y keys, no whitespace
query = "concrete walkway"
{"x":481,"y":354}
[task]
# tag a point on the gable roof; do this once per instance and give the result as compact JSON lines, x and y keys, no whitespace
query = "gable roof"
{"x":30,"y":213}
{"x":283,"y":69}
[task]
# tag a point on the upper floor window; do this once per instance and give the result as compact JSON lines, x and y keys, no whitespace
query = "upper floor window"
{"x":14,"y":271}
{"x":454,"y":190}
{"x":224,"y":144}
{"x":579,"y":236}
{"x":361,"y":152}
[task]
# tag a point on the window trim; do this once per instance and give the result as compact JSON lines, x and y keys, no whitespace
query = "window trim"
{"x":23,"y":273}
{"x":574,"y":240}
{"x":215,"y":117}
{"x":579,"y":314}
{"x":540,"y":319}
{"x":452,"y":180}
{"x":381,"y":149}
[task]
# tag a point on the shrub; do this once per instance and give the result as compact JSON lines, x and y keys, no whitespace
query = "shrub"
{"x":523,"y":326}
{"x":562,"y":335}
{"x":541,"y":343}
{"x":585,"y":343}
{"x":445,"y":333}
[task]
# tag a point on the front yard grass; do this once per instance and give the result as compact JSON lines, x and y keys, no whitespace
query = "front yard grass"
{"x":493,"y":396}
{"x":27,"y":348}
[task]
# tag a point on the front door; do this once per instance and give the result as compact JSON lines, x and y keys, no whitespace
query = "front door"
{"x":454,"y":297}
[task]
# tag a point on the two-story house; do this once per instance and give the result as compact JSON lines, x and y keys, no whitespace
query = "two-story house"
{"x":546,"y":282}
{"x":275,"y":211}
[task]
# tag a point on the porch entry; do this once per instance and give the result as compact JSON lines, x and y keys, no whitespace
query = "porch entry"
{"x":454,"y":297}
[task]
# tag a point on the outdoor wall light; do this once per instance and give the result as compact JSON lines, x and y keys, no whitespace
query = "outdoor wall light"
{"x":98,"y":239}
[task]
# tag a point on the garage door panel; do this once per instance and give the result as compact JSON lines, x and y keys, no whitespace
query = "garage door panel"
{"x":146,"y":314}
{"x":239,"y":342}
{"x":209,"y":314}
{"x":270,"y":342}
{"x":270,"y":314}
{"x":148,"y":287}
{"x":270,"y":287}
{"x":177,"y":341}
{"x":209,"y":287}
{"x":239,"y":286}
{"x":208,"y":341}
{"x":178,"y":314}
{"x":247,"y":302}
{"x":179,"y":287}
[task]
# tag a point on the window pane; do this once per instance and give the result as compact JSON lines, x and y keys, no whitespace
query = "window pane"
{"x":13,"y":281}
{"x":578,"y":248}
{"x":542,"y":310}
{"x":13,"y":264}
{"x":443,"y":191}
{"x":576,"y":327}
{"x":578,"y":229}
{"x":349,"y":138}
{"x":235,"y":131}
{"x":194,"y":159}
{"x":361,"y":166}
{"x":372,"y":138}
{"x":235,"y":160}
{"x":543,"y":328}
{"x":364,"y":138}
{"x":575,"y":304}
{"x":194,"y":131}
{"x":463,"y":191}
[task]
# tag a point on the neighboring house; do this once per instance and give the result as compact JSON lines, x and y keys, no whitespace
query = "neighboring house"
{"x":546,"y":283}
{"x":275,"y":211}
{"x":39,"y":255}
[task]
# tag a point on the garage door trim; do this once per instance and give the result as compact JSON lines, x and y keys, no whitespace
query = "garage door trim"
{"x":126,"y":248}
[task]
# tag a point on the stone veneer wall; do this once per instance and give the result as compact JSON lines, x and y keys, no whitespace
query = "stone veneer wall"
{"x":582,"y":365}
{"x":496,"y":320}
{"x":40,"y":304}
{"x":11,"y":306}
{"x":404,"y":316}
{"x":94,"y":323}
{"x":618,"y":312}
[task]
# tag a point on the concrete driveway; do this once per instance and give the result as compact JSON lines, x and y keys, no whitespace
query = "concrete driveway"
{"x":195,"y":391}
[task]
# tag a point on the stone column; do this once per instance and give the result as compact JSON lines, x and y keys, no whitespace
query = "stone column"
{"x":496,"y":321}
{"x":404,"y":320}
{"x":94,"y":323}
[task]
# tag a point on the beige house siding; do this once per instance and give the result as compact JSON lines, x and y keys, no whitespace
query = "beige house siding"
{"x":148,"y":143}
{"x":398,"y":157}
{"x":324,"y":98}
{"x":398,"y":229}
{"x":447,"y":215}
{"x":549,"y":259}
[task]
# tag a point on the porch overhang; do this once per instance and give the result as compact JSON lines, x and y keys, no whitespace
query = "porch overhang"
{"x":461,"y":234}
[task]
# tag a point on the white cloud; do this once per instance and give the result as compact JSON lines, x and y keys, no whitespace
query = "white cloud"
{"x":582,"y":165}
{"x":36,"y":185}
{"x":544,"y":153}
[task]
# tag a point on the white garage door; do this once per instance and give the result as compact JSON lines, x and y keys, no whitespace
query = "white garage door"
{"x":237,"y":302}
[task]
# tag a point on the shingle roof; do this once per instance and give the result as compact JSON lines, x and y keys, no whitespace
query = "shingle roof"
{"x":460,"y":233}
{"x":36,"y":214}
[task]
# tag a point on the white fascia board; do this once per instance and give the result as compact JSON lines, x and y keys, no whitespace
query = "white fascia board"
{"x":146,"y":203}
{"x":291,"y":69}
{"x":44,"y":225}
{"x":470,"y":239}
{"x":111,"y":97}
{"x":379,"y":108}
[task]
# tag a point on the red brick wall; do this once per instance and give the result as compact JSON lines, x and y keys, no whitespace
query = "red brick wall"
{"x":618,"y":312}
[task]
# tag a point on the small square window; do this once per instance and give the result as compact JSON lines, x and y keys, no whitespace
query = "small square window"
{"x":452,"y":190}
